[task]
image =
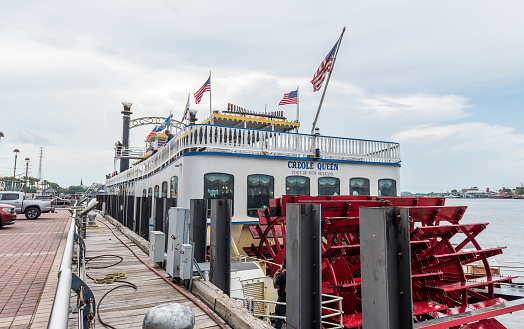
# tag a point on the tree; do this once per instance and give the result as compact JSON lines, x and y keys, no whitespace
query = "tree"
{"x":32,"y":182}
{"x":76,"y":189}
{"x":454,"y":191}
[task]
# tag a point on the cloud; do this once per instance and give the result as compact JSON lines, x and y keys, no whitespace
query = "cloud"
{"x":460,"y":155}
{"x":32,"y":138}
{"x":402,"y":74}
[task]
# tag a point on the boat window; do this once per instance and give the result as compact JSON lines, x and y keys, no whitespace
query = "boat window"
{"x":164,"y":189}
{"x":218,"y":186}
{"x":328,"y":186}
{"x":144,"y":194}
{"x":157,"y":191}
{"x":150,"y":192}
{"x":297,"y":185}
{"x":260,"y":189}
{"x":173,"y":191}
{"x":387,"y":187}
{"x":359,"y":186}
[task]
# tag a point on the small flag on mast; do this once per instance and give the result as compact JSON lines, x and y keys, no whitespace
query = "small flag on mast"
{"x":186,"y":111}
{"x":289,"y":98}
{"x":202,"y":90}
{"x":324,"y":68}
{"x":165,"y":124}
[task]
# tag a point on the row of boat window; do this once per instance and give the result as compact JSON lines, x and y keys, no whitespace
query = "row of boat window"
{"x":260,"y":188}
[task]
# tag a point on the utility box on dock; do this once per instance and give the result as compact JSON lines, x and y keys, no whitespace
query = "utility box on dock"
{"x":186,"y":255}
{"x":156,"y":246}
{"x":177,"y":237}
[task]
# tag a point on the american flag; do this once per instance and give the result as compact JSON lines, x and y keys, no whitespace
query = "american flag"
{"x":289,"y":98}
{"x":153,"y":132}
{"x":202,"y":90}
{"x":324,"y":67}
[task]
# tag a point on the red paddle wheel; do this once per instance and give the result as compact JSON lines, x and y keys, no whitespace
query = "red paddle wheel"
{"x":441,"y":287}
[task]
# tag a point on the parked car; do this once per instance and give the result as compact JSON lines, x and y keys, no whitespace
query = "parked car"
{"x":58,"y":202}
{"x":30,"y":208}
{"x":44,"y":197}
{"x":7,"y":215}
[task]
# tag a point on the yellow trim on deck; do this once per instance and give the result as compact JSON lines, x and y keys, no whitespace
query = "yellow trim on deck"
{"x":252,"y":119}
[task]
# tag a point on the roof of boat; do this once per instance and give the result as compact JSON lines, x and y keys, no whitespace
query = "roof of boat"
{"x":241,"y":118}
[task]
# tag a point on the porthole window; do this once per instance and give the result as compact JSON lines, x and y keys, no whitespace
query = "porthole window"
{"x":328,"y":186}
{"x":297,"y":185}
{"x":359,"y":186}
{"x":218,"y":186}
{"x":164,"y":189}
{"x":387,"y":187}
{"x":260,"y":189}
{"x":173,"y":191}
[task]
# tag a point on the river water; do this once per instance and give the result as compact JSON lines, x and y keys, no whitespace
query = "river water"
{"x":506,"y":228}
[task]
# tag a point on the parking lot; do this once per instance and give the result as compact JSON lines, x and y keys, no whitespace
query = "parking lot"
{"x":27,"y":251}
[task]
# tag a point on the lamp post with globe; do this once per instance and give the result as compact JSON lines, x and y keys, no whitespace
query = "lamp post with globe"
{"x":14,"y":172}
{"x":26,"y":165}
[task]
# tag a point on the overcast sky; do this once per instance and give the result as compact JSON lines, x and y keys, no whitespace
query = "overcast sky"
{"x":443,"y":78}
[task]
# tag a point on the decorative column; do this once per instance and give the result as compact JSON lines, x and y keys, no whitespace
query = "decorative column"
{"x":124,"y":163}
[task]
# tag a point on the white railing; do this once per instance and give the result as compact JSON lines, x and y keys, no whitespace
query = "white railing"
{"x":332,"y":317}
{"x":207,"y":138}
{"x":129,"y":152}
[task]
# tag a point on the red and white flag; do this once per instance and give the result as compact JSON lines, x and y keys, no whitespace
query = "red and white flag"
{"x":289,"y":98}
{"x":323,"y":69}
{"x":202,"y":90}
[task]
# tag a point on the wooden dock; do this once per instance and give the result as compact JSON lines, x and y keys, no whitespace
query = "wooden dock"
{"x":126,"y":307}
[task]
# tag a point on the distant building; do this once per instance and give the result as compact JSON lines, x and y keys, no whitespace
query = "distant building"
{"x":474,"y":192}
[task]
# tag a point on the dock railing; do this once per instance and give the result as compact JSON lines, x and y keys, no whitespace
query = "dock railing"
{"x":332,"y":317}
{"x":68,"y":280}
{"x":218,"y":139}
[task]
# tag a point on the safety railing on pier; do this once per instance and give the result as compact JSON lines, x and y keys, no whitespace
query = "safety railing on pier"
{"x":331,"y":319}
{"x":207,"y":138}
{"x":69,"y":280}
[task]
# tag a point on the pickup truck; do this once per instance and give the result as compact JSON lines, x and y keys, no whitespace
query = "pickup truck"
{"x":30,"y":208}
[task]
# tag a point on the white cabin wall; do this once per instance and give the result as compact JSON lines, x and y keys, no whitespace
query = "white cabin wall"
{"x":191,"y":170}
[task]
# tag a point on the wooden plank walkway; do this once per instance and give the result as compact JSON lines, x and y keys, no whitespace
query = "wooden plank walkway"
{"x":126,"y":307}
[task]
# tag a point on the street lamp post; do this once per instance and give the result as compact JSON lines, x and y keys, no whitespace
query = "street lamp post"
{"x":14,"y":172}
{"x":26,"y":165}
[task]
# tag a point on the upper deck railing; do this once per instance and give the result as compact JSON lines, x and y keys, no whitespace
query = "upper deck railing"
{"x":208,"y":138}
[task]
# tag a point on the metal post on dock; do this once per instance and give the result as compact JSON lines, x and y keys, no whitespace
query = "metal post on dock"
{"x":303,"y":263}
{"x":198,"y":228}
{"x":387,"y":301}
{"x":220,"y":242}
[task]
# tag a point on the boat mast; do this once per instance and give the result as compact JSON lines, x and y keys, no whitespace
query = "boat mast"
{"x":327,"y":82}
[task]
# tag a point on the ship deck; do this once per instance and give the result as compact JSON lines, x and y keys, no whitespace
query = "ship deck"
{"x":126,"y":307}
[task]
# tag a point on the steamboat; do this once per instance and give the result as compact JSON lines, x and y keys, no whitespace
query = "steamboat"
{"x":261,"y":163}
